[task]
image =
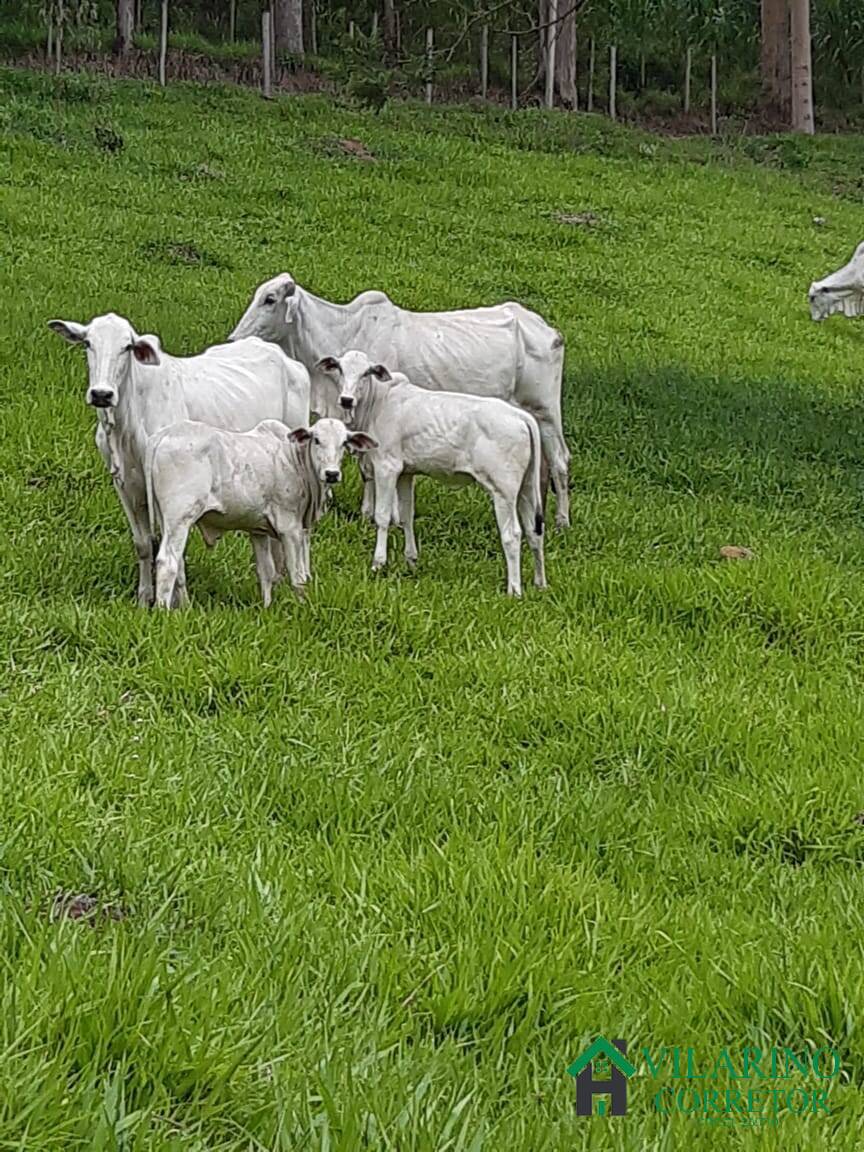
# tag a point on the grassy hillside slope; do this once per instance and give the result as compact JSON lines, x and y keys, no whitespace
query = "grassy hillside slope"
{"x":390,"y":858}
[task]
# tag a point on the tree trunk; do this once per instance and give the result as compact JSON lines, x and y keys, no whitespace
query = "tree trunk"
{"x":565,"y":57}
{"x":589,"y":103}
{"x":713,"y":95}
{"x":430,"y":48}
{"x":125,"y":26}
{"x":58,"y":39}
{"x":389,"y":25}
{"x":802,"y":71}
{"x":775,"y":55}
{"x":232,"y":21}
{"x":49,"y":52}
{"x":288,"y":27}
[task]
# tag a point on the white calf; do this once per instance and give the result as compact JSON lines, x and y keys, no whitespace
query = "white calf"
{"x":447,"y":435}
{"x":270,"y":483}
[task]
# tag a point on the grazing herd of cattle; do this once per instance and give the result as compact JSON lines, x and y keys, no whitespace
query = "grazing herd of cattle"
{"x":223,"y":440}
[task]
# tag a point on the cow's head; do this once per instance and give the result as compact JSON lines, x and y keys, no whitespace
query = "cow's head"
{"x":328,"y":442}
{"x":842,"y":291}
{"x":351,"y":373}
{"x":271,"y":311}
{"x":111,"y":344}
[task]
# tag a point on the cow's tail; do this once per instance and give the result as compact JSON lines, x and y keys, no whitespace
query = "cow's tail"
{"x":536,"y":456}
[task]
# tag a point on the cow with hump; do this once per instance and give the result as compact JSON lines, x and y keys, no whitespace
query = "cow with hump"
{"x":505,"y":351}
{"x":137,"y":389}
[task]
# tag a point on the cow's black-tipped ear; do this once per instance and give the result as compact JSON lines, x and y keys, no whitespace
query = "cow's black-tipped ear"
{"x":69,"y":330}
{"x":379,"y":371}
{"x":328,"y":364}
{"x":145,"y":349}
{"x":360,"y":442}
{"x":300,"y":435}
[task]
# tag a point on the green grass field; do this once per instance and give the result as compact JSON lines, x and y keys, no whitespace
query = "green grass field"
{"x":389,"y":859}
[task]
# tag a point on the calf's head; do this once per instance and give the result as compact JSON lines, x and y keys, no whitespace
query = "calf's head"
{"x":328,"y":442}
{"x":351,"y":374}
{"x":271,"y":311}
{"x":842,"y":291}
{"x":111,"y":344}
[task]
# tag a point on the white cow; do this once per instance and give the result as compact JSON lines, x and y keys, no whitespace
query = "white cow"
{"x":137,"y":389}
{"x":270,"y":483}
{"x":505,"y":351}
{"x":842,"y":291}
{"x":453,"y":437}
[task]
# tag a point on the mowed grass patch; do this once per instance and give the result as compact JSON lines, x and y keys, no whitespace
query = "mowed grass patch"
{"x":389,"y":858}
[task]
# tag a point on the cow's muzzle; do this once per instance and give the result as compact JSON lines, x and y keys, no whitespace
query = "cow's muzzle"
{"x":332,"y":476}
{"x":346,"y":402}
{"x":101,"y":398}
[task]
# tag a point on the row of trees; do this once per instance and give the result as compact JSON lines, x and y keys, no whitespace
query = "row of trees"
{"x":658,"y":40}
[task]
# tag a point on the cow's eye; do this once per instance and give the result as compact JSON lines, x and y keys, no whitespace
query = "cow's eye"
{"x":271,"y":299}
{"x":315,"y":440}
{"x":86,"y":344}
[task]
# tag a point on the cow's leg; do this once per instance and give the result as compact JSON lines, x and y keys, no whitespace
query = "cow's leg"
{"x":544,"y":482}
{"x":511,"y":539}
{"x":264,"y":566}
{"x":168,"y":561}
{"x":385,"y":495}
{"x":145,"y":545}
{"x":367,"y":508}
{"x":181,"y":596}
{"x":405,"y":500}
{"x":291,"y":536}
{"x":557,"y":459}
{"x":535,"y":539}
{"x":276,"y":558}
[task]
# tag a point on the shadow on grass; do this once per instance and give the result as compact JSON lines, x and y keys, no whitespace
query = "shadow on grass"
{"x":759,"y":441}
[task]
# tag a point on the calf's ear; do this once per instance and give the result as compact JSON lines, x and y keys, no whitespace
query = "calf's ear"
{"x":300,"y":435}
{"x":359,"y":442}
{"x":145,"y":349}
{"x":69,"y":330}
{"x":379,"y":371}
{"x":328,"y":364}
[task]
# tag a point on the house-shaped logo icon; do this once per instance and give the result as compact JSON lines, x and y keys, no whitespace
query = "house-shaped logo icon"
{"x":602,"y":1069}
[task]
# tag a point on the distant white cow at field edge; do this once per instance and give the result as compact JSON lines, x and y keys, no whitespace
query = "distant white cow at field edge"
{"x":842,"y":291}
{"x":505,"y":351}
{"x":450,"y":436}
{"x":137,"y":389}
{"x":270,"y":483}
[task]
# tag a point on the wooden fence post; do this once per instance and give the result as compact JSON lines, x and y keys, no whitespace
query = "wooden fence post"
{"x":552,"y":36}
{"x":688,"y":65}
{"x":514,"y":72}
{"x":613,"y":80}
{"x":163,"y":42}
{"x":232,"y":21}
{"x":590,"y":101}
{"x":350,"y":29}
{"x":713,"y":95}
{"x":430,"y":41}
{"x":266,"y":52}
{"x":484,"y":60}
{"x":313,"y":29}
{"x":375,"y":24}
{"x":58,"y":37}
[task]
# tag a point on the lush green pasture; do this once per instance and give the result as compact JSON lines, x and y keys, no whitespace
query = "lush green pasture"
{"x":391,"y":857}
